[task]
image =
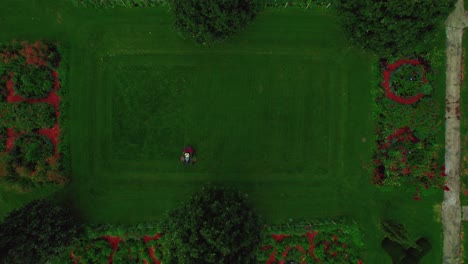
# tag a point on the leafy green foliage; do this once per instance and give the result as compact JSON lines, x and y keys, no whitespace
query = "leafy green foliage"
{"x":31,"y":151}
{"x":3,"y":137}
{"x":336,"y":241}
{"x":396,"y":232}
{"x":208,"y":21}
{"x":407,"y":81}
{"x":411,"y":255}
{"x":3,"y":87}
{"x":216,"y":225}
{"x":403,"y":162}
{"x":25,"y":116}
{"x":35,"y":232}
{"x":396,"y":27}
{"x":118,"y":3}
{"x":33,"y":82}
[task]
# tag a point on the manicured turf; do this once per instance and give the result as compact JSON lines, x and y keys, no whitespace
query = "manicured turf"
{"x":283,"y":112}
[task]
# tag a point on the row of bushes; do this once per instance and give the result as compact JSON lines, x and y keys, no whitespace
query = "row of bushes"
{"x":3,"y":138}
{"x":118,"y":3}
{"x":154,"y":3}
{"x":3,"y":86}
{"x":26,"y":117}
{"x":234,"y":234}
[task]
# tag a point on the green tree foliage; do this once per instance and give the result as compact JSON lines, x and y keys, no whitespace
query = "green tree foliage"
{"x":36,"y":232}
{"x":216,"y":225}
{"x":25,"y":116}
{"x":208,"y":21}
{"x":31,"y":151}
{"x":3,"y":87}
{"x":396,"y":232}
{"x":397,"y":27}
{"x":118,"y":3}
{"x":411,"y":255}
{"x":34,"y":82}
{"x":3,"y":138}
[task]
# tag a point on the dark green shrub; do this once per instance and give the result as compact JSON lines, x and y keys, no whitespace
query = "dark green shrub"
{"x":208,"y":21}
{"x":3,"y":87}
{"x":36,"y":232}
{"x":31,"y":151}
{"x":216,"y":225}
{"x":26,"y":117}
{"x":396,"y":232}
{"x":403,"y":255}
{"x":118,"y":3}
{"x":407,"y":81}
{"x":3,"y":138}
{"x":397,"y":27}
{"x":33,"y":82}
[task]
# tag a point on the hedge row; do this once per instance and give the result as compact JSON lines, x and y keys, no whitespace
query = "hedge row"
{"x":154,"y":3}
{"x":118,"y":3}
{"x":3,"y":138}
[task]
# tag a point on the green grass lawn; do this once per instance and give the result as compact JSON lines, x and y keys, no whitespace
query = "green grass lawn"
{"x":282,"y":111}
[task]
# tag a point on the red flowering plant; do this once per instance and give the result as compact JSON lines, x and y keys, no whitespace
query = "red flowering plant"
{"x":408,"y":122}
{"x":326,"y":243}
{"x":29,"y":76}
{"x":118,"y":245}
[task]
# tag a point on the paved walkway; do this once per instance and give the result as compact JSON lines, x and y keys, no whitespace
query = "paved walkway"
{"x":451,"y":209}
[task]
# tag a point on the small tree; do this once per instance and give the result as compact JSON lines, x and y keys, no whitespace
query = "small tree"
{"x":216,"y":225}
{"x":397,"y":27}
{"x":208,"y":21}
{"x":35,"y":232}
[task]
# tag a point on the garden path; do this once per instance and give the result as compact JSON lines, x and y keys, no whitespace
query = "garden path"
{"x":451,"y":209}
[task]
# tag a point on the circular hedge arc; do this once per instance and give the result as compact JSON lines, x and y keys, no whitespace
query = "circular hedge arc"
{"x":30,"y":150}
{"x":209,"y":21}
{"x":34,"y":82}
{"x":216,"y":225}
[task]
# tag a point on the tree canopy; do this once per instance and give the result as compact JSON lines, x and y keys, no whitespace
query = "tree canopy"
{"x":397,"y":27}
{"x":209,"y":21}
{"x":216,"y":225}
{"x":35,"y":232}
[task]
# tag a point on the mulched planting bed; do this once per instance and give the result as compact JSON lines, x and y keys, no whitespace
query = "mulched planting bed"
{"x":118,"y":249}
{"x":34,"y":66}
{"x":406,"y":155}
{"x":329,"y":243}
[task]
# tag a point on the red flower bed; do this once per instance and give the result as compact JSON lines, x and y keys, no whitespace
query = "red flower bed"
{"x":386,"y":82}
{"x":279,"y":238}
{"x":52,"y":99}
{"x":115,"y":241}
{"x":405,"y":135}
{"x":273,"y":257}
{"x":151,"y":249}
{"x":35,"y":54}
